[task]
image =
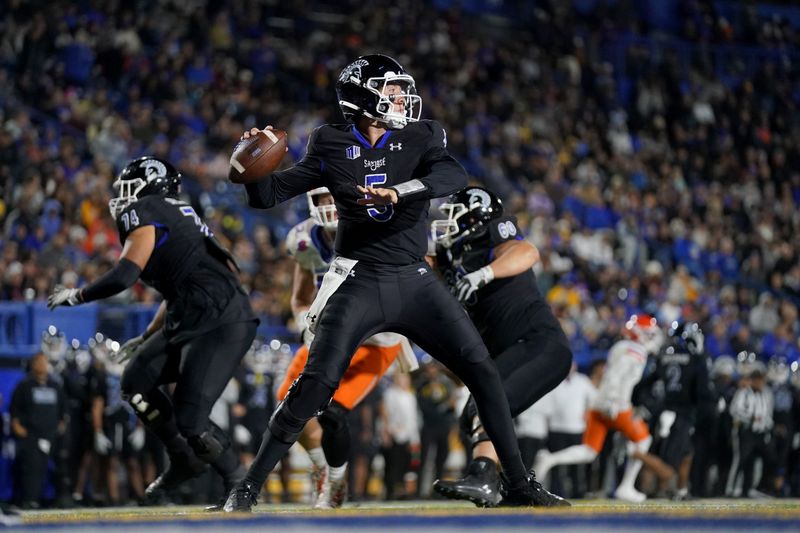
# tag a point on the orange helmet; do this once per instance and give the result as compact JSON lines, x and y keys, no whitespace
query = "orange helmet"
{"x":644,"y":330}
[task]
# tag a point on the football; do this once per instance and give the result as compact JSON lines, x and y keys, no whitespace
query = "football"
{"x":255,"y":157}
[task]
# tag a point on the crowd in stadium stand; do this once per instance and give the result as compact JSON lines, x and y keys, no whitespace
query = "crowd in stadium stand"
{"x":656,"y":171}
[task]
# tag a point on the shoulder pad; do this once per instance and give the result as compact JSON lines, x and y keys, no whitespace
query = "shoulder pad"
{"x":504,"y":229}
{"x":301,"y":246}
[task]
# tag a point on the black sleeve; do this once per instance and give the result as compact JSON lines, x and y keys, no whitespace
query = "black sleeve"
{"x":504,"y":229}
{"x":438,"y":173}
{"x":285,"y":184}
{"x":123,"y":275}
{"x":17,"y":407}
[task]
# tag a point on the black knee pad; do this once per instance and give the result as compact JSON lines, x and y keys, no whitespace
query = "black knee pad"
{"x":206,"y":446}
{"x":307,"y":398}
{"x":334,"y":418}
{"x":152,"y":409}
{"x":470,"y":423}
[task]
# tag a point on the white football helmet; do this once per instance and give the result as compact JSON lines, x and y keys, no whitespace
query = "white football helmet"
{"x":324,"y":215}
{"x":644,"y":329}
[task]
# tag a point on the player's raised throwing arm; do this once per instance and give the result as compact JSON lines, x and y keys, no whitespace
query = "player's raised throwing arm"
{"x":282,"y":185}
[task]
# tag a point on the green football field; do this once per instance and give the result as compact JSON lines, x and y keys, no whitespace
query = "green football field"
{"x":585,"y":515}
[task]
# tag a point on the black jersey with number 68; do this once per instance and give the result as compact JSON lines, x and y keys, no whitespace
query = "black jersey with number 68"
{"x":506,"y":309}
{"x":338,"y":157}
{"x":188,"y":266}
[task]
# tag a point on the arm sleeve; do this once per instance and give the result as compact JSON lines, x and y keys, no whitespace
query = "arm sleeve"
{"x":438,"y":173}
{"x":123,"y":275}
{"x":16,"y":401}
{"x":285,"y":184}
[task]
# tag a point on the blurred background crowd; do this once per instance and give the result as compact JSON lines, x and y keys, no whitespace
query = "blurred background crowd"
{"x":650,"y":149}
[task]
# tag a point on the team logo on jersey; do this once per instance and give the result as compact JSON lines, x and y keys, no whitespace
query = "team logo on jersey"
{"x":393,"y":147}
{"x":153,"y":169}
{"x":375,"y":165}
{"x":353,"y":152}
{"x":506,"y":229}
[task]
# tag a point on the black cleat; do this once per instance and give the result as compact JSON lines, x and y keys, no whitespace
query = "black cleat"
{"x":481,"y":485}
{"x":242,"y":498}
{"x":230,"y":481}
{"x":181,"y":468}
{"x":532,"y":494}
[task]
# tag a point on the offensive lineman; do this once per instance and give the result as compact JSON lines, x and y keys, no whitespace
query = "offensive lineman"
{"x":200,"y":333}
{"x":612,"y":408}
{"x":382,"y":171}
{"x":311,"y":245}
{"x":484,"y":259}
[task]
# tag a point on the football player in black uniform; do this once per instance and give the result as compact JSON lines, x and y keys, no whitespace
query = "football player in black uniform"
{"x":682,"y":367}
{"x":488,"y":266}
{"x":202,"y":330}
{"x":382,"y":170}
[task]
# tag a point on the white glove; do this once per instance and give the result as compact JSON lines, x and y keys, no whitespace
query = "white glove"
{"x":136,"y":438}
{"x":102,"y":444}
{"x":241,"y":435}
{"x":470,"y":283}
{"x":64,"y":296}
{"x":302,"y":326}
{"x":127,"y":350}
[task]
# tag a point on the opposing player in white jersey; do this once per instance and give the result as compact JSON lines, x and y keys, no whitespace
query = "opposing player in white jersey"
{"x":328,"y":440}
{"x":612,"y":409}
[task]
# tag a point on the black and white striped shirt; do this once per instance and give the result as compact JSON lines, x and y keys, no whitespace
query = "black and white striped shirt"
{"x":753,"y":409}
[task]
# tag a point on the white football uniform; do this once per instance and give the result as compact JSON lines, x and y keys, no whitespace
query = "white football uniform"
{"x":624,"y":368}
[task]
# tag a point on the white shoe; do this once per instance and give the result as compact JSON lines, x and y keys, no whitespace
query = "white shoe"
{"x":332,"y":495}
{"x":758,"y":495}
{"x":318,"y":477}
{"x":543,"y":464}
{"x":629,"y":494}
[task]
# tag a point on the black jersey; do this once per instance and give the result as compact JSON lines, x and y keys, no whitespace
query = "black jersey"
{"x":188,"y":267}
{"x":107,"y":385}
{"x":340,"y":158}
{"x":687,"y":387}
{"x":38,"y":406}
{"x":507,"y":309}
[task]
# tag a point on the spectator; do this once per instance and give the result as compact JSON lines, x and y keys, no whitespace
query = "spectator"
{"x":37,"y":417}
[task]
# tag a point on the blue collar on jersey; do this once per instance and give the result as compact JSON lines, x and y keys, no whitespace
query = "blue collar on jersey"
{"x":363,"y":140}
{"x":325,"y":251}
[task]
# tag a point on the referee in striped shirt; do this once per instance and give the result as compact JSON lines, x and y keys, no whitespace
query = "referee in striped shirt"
{"x":751,"y":410}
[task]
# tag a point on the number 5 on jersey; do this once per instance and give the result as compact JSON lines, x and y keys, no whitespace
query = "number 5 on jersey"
{"x":382,"y":213}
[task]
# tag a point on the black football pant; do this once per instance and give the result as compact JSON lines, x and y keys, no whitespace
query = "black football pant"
{"x":200,"y":368}
{"x":529,"y":368}
{"x":32,"y":470}
{"x":410,"y":300}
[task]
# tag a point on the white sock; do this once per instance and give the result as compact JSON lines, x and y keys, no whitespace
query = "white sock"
{"x":579,"y":454}
{"x":336,"y":473}
{"x":317,"y":457}
{"x":631,"y":472}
